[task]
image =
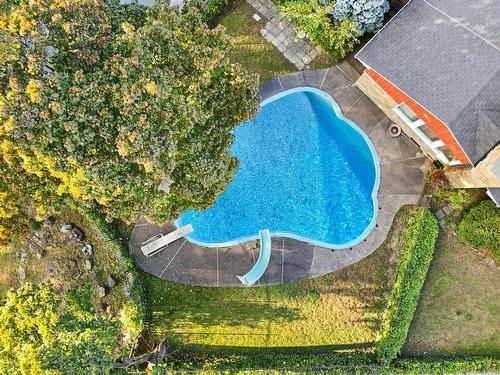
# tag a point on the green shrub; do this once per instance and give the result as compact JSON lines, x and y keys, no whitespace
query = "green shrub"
{"x":208,"y":9}
{"x":480,"y":227}
{"x":445,"y":365}
{"x":417,"y":243}
{"x":335,"y":362}
{"x":336,"y":39}
{"x":457,"y":198}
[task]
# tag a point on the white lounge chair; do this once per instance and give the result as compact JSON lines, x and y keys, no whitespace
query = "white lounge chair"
{"x":160,"y":241}
{"x":258,"y":269}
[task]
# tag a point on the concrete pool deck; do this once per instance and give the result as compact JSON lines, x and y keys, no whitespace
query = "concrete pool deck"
{"x":403,"y":168}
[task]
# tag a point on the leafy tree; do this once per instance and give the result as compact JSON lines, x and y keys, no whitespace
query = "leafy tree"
{"x":368,"y":14}
{"x":17,"y":211}
{"x":105,"y":102}
{"x":41,"y":333}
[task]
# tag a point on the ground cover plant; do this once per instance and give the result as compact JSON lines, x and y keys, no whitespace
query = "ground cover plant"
{"x":105,"y":103}
{"x":457,"y":198}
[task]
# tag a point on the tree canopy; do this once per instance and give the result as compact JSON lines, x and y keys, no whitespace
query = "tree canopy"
{"x":106,"y":102}
{"x":42,"y":333}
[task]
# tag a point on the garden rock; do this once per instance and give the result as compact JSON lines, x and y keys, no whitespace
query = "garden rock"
{"x":165,"y":185}
{"x":77,"y":234}
{"x":50,"y":221}
{"x":66,"y":228}
{"x":101,"y":292}
{"x":21,"y":274}
{"x":110,"y":282}
{"x":448,"y":209}
{"x":87,"y":249}
{"x":440,"y":214}
{"x":99,"y":308}
{"x":22,"y":256}
{"x":88,"y":265}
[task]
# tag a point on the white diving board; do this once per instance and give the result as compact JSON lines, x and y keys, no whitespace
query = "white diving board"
{"x":160,"y":241}
{"x":258,"y":269}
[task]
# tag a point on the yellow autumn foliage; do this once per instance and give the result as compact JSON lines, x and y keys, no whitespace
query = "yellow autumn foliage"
{"x":7,"y":207}
{"x":33,"y":91}
{"x":8,"y":125}
{"x":152,"y":88}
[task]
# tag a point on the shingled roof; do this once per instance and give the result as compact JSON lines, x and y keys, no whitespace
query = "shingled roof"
{"x":446,"y":56}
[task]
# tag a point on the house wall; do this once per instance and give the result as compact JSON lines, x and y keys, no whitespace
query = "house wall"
{"x":480,"y":176}
{"x":387,"y":96}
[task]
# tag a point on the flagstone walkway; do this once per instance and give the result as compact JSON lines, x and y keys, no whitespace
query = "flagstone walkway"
{"x":284,"y":35}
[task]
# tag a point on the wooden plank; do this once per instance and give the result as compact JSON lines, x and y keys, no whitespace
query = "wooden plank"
{"x":151,"y":248}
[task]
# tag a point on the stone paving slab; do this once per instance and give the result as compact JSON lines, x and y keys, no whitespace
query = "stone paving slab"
{"x":364,"y":114}
{"x":297,"y":263}
{"x":274,"y":270}
{"x":270,"y":88}
{"x":193,"y":264}
{"x":284,"y":35}
{"x":403,"y":170}
{"x":404,"y":177}
{"x":313,"y":78}
{"x":392,"y":203}
{"x":235,"y":261}
{"x":393,"y":148}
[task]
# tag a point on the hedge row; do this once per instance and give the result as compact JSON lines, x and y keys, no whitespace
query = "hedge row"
{"x":480,"y":227}
{"x":446,"y":365}
{"x":340,"y":364}
{"x":417,"y":244}
{"x":132,"y":316}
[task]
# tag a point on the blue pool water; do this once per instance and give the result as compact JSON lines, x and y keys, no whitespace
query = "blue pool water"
{"x":305,"y":172}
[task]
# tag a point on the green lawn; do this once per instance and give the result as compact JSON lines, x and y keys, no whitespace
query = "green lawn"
{"x":252,"y":51}
{"x":459,"y":310}
{"x":340,"y":311}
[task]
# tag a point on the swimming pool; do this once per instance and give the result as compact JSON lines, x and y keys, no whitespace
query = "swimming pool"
{"x":305,"y":172}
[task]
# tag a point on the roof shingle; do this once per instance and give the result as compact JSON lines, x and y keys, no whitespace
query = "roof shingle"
{"x":446,"y":56}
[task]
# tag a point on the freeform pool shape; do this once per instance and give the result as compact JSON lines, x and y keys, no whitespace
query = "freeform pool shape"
{"x":305,"y":172}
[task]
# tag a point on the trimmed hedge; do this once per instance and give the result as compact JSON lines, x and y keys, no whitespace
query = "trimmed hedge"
{"x":335,"y":363}
{"x":445,"y":365}
{"x":266,"y":360}
{"x":480,"y":227}
{"x":418,"y":242}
